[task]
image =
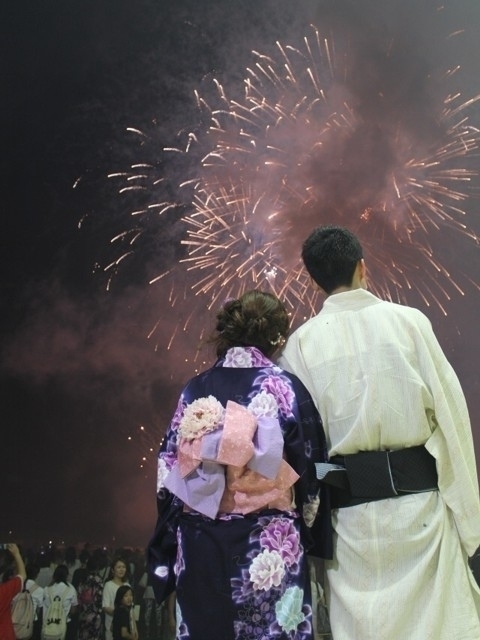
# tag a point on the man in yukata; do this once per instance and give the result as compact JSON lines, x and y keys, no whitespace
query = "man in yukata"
{"x":406,"y":510}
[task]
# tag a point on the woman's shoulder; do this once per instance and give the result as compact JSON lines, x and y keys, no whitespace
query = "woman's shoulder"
{"x":111,"y":585}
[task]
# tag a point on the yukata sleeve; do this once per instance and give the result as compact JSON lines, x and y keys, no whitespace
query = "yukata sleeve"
{"x":451,"y":442}
{"x":162,"y":548}
{"x":97,"y":585}
{"x":305,"y":445}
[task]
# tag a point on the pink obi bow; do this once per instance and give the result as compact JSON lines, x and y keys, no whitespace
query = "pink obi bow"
{"x":199,"y":477}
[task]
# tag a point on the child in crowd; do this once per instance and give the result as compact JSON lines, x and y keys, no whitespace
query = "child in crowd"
{"x":124,"y":626}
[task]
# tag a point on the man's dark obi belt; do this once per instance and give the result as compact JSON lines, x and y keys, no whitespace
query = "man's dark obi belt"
{"x":375,"y":475}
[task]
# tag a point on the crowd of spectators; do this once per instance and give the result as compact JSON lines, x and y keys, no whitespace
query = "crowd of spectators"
{"x":87,"y":579}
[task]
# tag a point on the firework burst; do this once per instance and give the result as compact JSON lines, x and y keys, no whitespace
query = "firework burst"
{"x":299,"y":148}
{"x":295,"y":153}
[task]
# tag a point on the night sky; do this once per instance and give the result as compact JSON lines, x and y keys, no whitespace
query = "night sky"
{"x":79,"y":373}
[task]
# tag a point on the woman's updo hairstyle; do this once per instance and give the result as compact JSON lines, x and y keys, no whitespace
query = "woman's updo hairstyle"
{"x":256,"y":319}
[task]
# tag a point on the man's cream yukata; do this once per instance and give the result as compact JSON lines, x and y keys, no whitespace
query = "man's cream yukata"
{"x":381,"y":381}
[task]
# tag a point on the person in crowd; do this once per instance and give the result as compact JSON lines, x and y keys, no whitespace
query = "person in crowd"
{"x":104,"y":564}
{"x":119,"y":578}
{"x":73,"y":563}
{"x":90,"y":599}
{"x":45,"y":575}
{"x":406,"y":511}
{"x":158,"y":618}
{"x":129,"y":558}
{"x":169,"y":618}
{"x":33,"y":569}
{"x":12,"y":578}
{"x":237,"y":487}
{"x":150,"y":610}
{"x":61,"y":587}
{"x":124,"y":626}
{"x":80,"y":574}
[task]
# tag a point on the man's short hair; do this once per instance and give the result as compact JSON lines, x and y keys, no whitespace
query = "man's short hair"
{"x":330,"y":255}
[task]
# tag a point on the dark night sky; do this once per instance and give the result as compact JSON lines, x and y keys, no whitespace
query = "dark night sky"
{"x":78,"y":374}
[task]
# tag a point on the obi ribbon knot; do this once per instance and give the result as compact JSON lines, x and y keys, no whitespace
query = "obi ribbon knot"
{"x":209,"y":468}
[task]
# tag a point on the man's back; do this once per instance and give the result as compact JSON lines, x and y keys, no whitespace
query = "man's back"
{"x":381,"y":381}
{"x":371,"y":367}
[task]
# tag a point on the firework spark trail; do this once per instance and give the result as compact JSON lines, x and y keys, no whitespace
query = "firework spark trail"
{"x":296,"y":152}
{"x":256,"y":184}
{"x":146,"y":445}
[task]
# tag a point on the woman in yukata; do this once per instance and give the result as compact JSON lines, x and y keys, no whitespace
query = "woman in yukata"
{"x":238,"y":499}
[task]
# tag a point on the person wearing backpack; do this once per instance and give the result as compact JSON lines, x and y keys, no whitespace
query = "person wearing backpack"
{"x":23,"y":614}
{"x":25,"y":607}
{"x":12,"y":577}
{"x":36,"y":591}
{"x":59,"y":602}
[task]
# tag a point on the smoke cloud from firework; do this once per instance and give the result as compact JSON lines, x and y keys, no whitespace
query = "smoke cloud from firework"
{"x":387,"y":149}
{"x":80,"y":356}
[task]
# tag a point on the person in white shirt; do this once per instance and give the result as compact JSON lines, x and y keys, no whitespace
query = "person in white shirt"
{"x":36,"y":592}
{"x":45,"y":574}
{"x":119,"y":578}
{"x":61,"y":587}
{"x":397,"y":427}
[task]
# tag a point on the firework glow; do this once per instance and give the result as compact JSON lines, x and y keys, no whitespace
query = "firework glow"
{"x":229,"y":134}
{"x":297,"y":150}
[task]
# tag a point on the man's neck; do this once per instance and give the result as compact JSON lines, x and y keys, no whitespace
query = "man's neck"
{"x":343,"y":289}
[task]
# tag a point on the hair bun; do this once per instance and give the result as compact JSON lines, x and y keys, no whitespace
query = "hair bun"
{"x":258,"y":319}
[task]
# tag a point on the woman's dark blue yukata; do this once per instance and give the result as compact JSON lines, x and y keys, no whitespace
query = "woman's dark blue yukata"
{"x":237,"y":496}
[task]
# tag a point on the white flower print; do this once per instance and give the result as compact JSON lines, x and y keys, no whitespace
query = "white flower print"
{"x":200,"y":417}
{"x":238,"y":358}
{"x":162,"y":571}
{"x":162,"y":473}
{"x":264,"y":404}
{"x":267,"y":570}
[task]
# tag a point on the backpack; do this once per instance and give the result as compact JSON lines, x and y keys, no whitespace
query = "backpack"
{"x":55,"y":619}
{"x":23,"y":614}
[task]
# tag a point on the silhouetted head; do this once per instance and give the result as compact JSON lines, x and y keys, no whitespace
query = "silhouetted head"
{"x":331,"y":256}
{"x":60,"y":574}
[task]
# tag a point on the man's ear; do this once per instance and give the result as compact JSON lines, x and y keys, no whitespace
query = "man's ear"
{"x":362,"y":273}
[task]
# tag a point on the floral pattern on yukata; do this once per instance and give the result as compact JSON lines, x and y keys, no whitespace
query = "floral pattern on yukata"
{"x":268,"y":582}
{"x":266,"y":593}
{"x":271,"y":395}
